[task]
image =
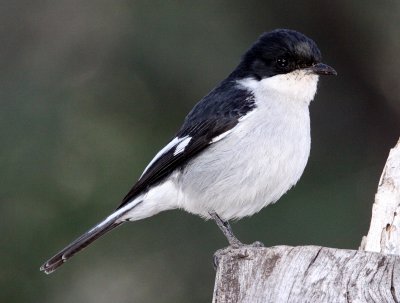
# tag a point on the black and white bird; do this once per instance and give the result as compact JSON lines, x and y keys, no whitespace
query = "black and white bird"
{"x":240,"y":148}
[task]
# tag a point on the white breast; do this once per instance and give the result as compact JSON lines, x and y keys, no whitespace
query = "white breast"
{"x":263,"y":156}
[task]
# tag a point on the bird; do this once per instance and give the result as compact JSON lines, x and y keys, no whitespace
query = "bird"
{"x":240,"y":148}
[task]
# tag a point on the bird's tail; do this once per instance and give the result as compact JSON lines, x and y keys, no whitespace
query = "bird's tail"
{"x":80,"y":243}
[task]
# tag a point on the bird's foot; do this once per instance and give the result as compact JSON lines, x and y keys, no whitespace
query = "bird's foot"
{"x":257,"y":244}
{"x":234,"y":242}
{"x":233,"y":246}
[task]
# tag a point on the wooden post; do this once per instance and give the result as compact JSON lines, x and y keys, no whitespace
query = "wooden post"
{"x":384,"y":232}
{"x":319,"y":274}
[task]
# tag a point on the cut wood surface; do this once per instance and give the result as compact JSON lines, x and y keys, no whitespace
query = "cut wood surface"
{"x":305,"y":274}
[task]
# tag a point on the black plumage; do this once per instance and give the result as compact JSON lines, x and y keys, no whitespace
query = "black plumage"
{"x":215,"y":114}
{"x":278,"y":52}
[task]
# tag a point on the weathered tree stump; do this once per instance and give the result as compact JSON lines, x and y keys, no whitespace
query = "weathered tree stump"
{"x":306,"y":274}
{"x":319,"y":274}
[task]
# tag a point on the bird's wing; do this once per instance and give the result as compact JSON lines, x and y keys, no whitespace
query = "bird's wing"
{"x":178,"y":152}
{"x":209,"y":121}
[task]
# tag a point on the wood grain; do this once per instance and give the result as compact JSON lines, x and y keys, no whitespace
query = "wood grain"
{"x":305,"y":274}
{"x":384,"y":232}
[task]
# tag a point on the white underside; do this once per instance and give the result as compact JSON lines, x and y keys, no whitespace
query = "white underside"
{"x":249,"y":167}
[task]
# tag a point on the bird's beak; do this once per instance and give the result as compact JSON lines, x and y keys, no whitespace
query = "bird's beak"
{"x":322,"y":69}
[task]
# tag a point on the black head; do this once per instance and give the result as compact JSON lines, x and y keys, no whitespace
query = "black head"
{"x":280,"y":52}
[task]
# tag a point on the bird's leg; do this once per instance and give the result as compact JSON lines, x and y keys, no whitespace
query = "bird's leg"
{"x":225,"y":227}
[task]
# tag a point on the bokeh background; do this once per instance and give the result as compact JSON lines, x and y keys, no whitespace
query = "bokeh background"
{"x":91,"y":90}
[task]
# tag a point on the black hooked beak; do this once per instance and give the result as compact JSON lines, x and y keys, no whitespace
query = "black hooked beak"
{"x":322,"y":69}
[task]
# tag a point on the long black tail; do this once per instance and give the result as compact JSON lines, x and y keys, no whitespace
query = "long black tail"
{"x":96,"y":232}
{"x":59,"y":259}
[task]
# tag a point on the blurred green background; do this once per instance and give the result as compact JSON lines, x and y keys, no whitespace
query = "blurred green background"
{"x":91,"y":90}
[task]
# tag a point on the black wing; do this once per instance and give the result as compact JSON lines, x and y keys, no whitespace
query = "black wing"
{"x":214,"y":115}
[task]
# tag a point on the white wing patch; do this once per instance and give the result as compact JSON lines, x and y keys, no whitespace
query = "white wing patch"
{"x":182,"y":145}
{"x":221,"y":136}
{"x":176,"y":141}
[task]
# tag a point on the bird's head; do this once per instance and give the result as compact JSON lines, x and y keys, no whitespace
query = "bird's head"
{"x":287,"y":59}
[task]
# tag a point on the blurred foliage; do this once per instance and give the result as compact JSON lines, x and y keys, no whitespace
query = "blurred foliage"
{"x":92,"y":89}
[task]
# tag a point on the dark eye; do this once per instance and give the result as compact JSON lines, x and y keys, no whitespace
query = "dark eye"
{"x":282,"y":62}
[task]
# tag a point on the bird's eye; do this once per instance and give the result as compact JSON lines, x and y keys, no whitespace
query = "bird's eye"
{"x":282,"y":62}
